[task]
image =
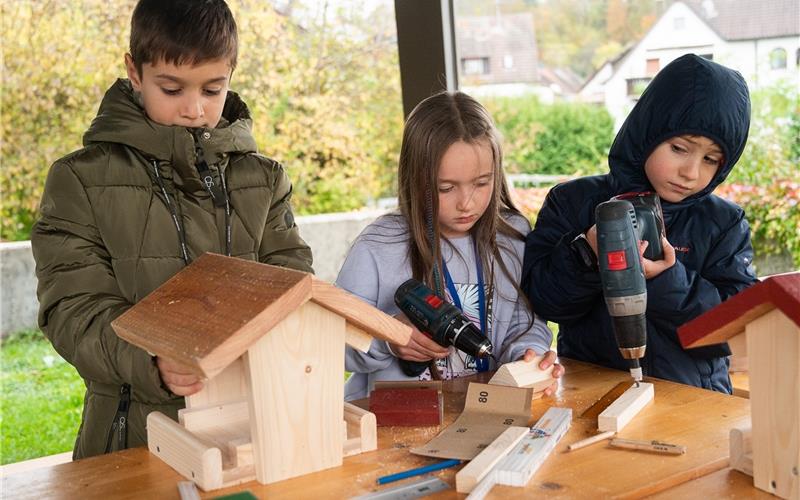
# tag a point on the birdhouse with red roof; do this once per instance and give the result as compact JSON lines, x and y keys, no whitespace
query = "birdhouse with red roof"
{"x":768,"y":315}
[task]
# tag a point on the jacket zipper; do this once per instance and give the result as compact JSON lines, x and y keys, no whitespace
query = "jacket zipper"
{"x":120,"y":424}
{"x":217,"y":191}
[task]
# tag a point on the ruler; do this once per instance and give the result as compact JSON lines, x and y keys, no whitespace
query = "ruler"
{"x":416,"y":489}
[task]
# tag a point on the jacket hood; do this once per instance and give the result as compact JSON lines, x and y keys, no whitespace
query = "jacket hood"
{"x":692,"y":96}
{"x":122,"y":119}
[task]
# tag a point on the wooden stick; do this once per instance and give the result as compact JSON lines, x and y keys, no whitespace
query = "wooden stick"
{"x":591,"y":440}
{"x":655,"y":446}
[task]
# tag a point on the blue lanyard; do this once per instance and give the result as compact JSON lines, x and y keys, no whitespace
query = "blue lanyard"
{"x":481,"y":364}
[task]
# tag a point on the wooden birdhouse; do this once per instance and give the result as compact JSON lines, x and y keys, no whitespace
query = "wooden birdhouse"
{"x":269,"y":342}
{"x":768,"y":315}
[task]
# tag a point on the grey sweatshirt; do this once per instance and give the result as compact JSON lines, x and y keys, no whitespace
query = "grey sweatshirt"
{"x":378,"y":264}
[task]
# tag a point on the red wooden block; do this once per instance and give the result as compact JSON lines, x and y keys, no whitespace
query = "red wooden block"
{"x":406,"y":407}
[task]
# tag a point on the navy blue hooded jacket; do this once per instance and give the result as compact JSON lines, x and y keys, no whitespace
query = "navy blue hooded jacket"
{"x":711,"y":236}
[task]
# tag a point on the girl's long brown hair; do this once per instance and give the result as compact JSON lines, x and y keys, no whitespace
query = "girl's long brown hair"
{"x":431,"y":128}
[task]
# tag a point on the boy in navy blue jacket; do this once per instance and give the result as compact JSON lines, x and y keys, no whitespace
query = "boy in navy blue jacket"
{"x":680,"y":140}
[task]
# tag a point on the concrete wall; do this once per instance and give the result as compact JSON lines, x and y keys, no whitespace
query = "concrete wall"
{"x":328,"y":235}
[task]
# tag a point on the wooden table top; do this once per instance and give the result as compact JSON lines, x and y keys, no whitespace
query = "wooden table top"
{"x":679,"y":414}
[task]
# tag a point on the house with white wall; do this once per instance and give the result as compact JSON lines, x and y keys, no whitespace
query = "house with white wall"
{"x":758,"y":38}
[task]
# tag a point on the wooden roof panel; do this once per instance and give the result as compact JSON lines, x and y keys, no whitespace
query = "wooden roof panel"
{"x":730,"y":318}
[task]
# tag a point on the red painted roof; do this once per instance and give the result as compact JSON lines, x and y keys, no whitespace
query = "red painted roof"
{"x":730,"y":318}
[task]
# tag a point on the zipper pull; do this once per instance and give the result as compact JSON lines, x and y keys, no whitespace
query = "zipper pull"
{"x":206,"y":176}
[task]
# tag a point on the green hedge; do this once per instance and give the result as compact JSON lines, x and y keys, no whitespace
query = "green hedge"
{"x":562,"y":138}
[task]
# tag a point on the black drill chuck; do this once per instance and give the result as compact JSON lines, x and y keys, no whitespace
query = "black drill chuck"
{"x":443,"y":321}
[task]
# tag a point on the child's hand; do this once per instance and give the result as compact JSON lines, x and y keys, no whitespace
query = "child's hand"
{"x":548,"y":360}
{"x":653,"y":268}
{"x":420,"y":348}
{"x":178,"y":379}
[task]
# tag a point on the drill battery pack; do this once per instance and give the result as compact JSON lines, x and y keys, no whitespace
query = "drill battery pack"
{"x":649,"y":221}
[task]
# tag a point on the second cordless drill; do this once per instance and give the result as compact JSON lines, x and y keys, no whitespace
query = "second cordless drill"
{"x":443,"y":321}
{"x":622,"y":277}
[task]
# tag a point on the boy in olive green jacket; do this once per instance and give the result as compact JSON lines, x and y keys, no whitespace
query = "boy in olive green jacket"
{"x":169,"y":171}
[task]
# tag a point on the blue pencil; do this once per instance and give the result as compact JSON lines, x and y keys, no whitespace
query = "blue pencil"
{"x":418,"y":471}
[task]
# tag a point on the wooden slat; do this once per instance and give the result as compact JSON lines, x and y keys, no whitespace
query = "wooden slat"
{"x":184,"y":452}
{"x":362,"y":315}
{"x":357,"y":338}
{"x":212,"y":311}
{"x":621,"y":411}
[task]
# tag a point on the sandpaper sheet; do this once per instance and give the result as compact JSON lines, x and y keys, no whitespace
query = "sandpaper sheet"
{"x":488,"y":411}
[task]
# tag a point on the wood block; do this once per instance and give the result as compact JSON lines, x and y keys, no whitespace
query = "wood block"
{"x":406,"y":407}
{"x":741,"y":444}
{"x":191,"y":457}
{"x":738,"y":345}
{"x":195,"y":419}
{"x":627,"y":406}
{"x":210,"y":312}
{"x":522,"y":374}
{"x":469,"y":476}
{"x":295,"y":374}
{"x":227,"y":386}
{"x":773,"y":346}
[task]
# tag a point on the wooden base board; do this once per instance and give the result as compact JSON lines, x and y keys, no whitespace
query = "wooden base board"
{"x":741,"y":444}
{"x":361,"y":433}
{"x":627,"y":406}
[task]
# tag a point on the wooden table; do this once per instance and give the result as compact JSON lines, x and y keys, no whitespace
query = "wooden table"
{"x":698,"y":419}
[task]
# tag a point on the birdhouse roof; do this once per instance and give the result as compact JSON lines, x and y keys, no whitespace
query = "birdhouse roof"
{"x":730,"y":318}
{"x":212,"y":311}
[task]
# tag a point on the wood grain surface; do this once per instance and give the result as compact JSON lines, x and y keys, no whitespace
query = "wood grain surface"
{"x":698,"y":418}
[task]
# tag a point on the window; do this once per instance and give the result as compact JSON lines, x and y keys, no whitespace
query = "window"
{"x":475,"y":66}
{"x":653,"y":65}
{"x":508,"y":61}
{"x":710,"y":57}
{"x":777,"y":58}
{"x":636,"y":86}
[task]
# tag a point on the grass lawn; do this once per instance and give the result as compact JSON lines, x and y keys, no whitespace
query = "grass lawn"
{"x":42,"y":399}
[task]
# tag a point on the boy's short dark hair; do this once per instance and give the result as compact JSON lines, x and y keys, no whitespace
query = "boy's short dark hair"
{"x":182,"y":32}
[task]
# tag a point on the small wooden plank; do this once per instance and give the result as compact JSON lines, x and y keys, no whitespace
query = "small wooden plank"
{"x":227,"y":386}
{"x":738,"y":359}
{"x":732,"y":316}
{"x":469,"y":476}
{"x":773,"y":346}
{"x":195,"y":419}
{"x":524,"y":374}
{"x":741,"y":444}
{"x":627,"y":406}
{"x":296,"y":373}
{"x":185,"y":453}
{"x":357,"y":338}
{"x":212,"y":311}
{"x":360,"y":314}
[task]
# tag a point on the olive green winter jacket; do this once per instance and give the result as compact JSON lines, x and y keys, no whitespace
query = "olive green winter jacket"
{"x":107,"y":237}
